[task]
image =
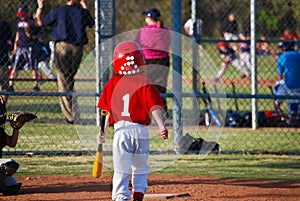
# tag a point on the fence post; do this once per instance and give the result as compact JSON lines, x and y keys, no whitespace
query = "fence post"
{"x":105,"y":29}
{"x":253,"y":62}
{"x":177,"y":73}
{"x":97,"y":55}
{"x":195,"y":16}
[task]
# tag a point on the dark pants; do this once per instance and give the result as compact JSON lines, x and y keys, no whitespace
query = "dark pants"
{"x":67,"y":60}
{"x":157,"y":71}
{"x":4,"y":77}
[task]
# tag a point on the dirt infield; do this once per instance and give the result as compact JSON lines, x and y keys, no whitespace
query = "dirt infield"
{"x":161,"y":187}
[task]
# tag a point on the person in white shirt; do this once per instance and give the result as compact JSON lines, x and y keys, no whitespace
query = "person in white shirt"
{"x":189,"y":30}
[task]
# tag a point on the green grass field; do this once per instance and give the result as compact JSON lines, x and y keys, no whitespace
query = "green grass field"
{"x":273,"y":167}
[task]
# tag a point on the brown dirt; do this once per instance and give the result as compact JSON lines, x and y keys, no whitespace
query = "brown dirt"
{"x":161,"y":187}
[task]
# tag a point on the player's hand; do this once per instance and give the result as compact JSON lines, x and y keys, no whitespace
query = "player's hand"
{"x":227,"y":59}
{"x":83,"y":4}
{"x":163,"y":133}
{"x":40,"y":3}
{"x":13,"y":53}
{"x":100,"y":139}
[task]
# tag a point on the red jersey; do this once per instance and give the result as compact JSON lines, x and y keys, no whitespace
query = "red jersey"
{"x":130,"y":98}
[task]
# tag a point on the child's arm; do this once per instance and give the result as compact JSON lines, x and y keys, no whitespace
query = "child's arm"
{"x":163,"y":131}
{"x":12,"y":140}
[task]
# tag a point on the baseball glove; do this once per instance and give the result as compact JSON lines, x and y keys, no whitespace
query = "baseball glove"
{"x":19,"y":118}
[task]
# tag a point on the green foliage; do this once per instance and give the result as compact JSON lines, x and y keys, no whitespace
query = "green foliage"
{"x":238,"y":166}
{"x":268,"y":20}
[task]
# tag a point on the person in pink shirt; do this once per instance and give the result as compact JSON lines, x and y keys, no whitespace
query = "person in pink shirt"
{"x":155,"y":40}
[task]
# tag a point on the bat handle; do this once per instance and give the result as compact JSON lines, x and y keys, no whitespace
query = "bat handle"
{"x":104,"y":112}
{"x":98,"y":161}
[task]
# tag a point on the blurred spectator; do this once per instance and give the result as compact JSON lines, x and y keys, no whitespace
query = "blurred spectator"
{"x":73,"y":17}
{"x":245,"y":57}
{"x":43,"y":57}
{"x":189,"y":27}
{"x":25,"y":46}
{"x":189,"y":30}
{"x":262,"y":47}
{"x":230,"y":28}
{"x":288,"y":71}
{"x":155,"y":40}
{"x":43,"y":61}
{"x":52,"y":56}
{"x":291,"y":35}
{"x":229,"y":56}
{"x":5,"y":44}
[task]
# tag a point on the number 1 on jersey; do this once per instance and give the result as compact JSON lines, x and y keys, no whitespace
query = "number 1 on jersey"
{"x":125,"y":99}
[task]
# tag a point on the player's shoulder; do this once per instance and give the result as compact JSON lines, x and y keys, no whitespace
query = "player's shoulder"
{"x":292,"y":55}
{"x":295,"y":53}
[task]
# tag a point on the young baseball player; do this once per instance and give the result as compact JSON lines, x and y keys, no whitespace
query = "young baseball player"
{"x":245,"y":56}
{"x":130,"y":99}
{"x":229,"y":56}
{"x":287,"y":83}
{"x":25,"y":46}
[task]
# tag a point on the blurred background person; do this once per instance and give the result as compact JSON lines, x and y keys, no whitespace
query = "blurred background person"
{"x":230,"y":30}
{"x":25,"y":46}
{"x":68,"y":47}
{"x":189,"y":30}
{"x":6,"y":45}
{"x":245,"y":56}
{"x":290,"y":35}
{"x":262,"y":47}
{"x":44,"y":54}
{"x":229,"y":57}
{"x":288,"y":71}
{"x":155,"y":40}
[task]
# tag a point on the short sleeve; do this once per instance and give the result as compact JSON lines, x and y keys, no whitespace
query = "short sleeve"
{"x":154,"y":98}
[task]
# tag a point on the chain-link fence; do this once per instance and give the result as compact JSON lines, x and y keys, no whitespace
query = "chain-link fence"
{"x":234,"y":91}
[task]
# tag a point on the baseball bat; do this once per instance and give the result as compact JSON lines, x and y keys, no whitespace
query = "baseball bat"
{"x":210,"y":109}
{"x":206,"y":114}
{"x":235,"y":98}
{"x":218,"y":101}
{"x":214,"y":117}
{"x":98,"y":161}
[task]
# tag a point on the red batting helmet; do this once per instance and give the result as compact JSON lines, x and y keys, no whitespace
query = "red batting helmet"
{"x":222,"y":44}
{"x":22,"y":10}
{"x":128,"y":57}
